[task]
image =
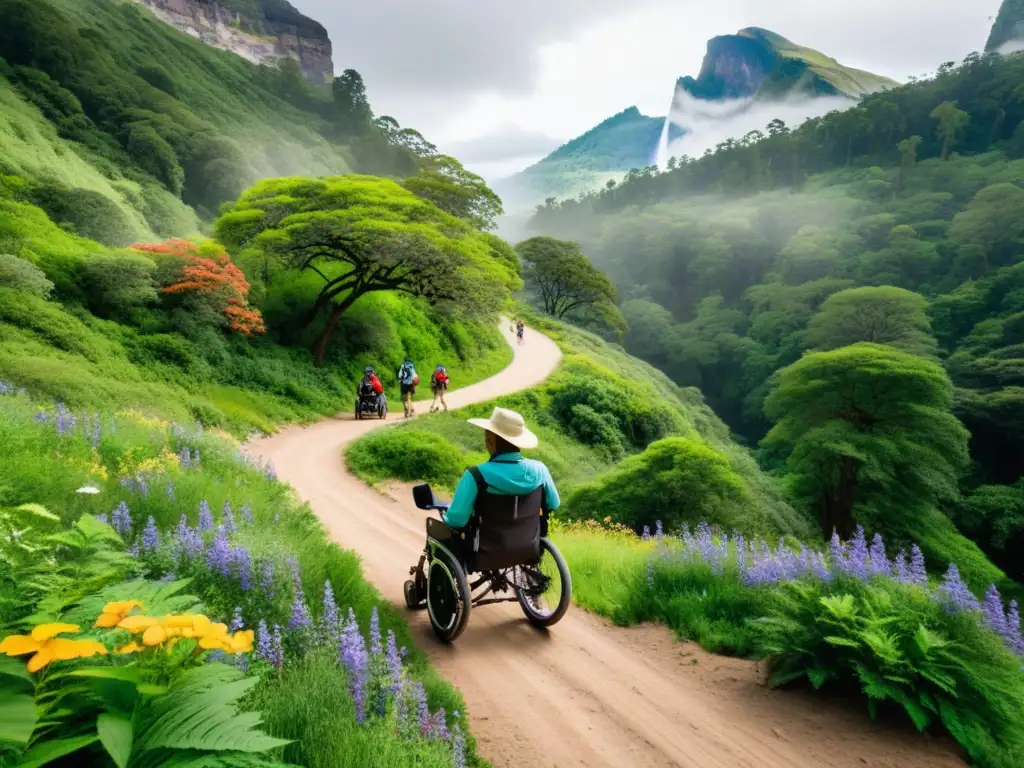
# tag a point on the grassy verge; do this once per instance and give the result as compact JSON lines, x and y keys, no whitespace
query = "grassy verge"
{"x":155,"y":475}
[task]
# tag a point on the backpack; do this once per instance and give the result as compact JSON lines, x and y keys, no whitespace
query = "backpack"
{"x":407,"y":375}
{"x":441,"y":378}
{"x":366,"y":386}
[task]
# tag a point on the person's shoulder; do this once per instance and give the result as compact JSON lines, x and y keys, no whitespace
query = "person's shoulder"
{"x":537,"y":465}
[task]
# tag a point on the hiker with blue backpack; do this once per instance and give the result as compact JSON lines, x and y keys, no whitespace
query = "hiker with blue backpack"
{"x":407,"y":381}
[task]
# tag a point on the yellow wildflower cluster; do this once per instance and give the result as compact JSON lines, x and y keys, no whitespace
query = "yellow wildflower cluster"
{"x":132,"y":414}
{"x":46,"y":647}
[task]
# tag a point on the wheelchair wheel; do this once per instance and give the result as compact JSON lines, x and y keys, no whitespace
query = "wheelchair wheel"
{"x":382,"y":411}
{"x":544,"y":590}
{"x":448,"y":597}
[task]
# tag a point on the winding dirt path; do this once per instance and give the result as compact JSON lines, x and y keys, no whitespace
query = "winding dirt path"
{"x":586,"y":693}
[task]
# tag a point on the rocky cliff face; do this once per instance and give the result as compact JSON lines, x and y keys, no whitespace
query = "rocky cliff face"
{"x":1008,"y":30}
{"x":262,"y":31}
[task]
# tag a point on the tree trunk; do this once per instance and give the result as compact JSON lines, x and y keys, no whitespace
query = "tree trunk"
{"x":320,"y":349}
{"x":837,"y":507}
{"x":321,"y":301}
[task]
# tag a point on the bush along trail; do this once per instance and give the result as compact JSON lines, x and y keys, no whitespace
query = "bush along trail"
{"x":167,"y":600}
{"x":586,"y":693}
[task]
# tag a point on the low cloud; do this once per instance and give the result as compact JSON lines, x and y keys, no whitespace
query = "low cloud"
{"x":503,"y":143}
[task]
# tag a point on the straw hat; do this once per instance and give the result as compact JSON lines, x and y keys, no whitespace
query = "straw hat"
{"x":508,"y":425}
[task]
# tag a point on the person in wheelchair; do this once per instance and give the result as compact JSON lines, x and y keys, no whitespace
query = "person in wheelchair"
{"x":495,"y":526}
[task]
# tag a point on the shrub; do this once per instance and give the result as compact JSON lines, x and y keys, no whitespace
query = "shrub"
{"x":677,"y":480}
{"x":24,"y":276}
{"x":116,"y":283}
{"x":406,"y":454}
{"x":88,"y":213}
{"x":899,"y":646}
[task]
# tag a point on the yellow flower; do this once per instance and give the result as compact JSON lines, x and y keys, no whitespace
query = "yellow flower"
{"x":241,"y":642}
{"x":154,"y":635}
{"x":216,"y":637}
{"x":131,"y":647}
{"x":136,"y":624}
{"x":159,"y":630}
{"x":46,"y":646}
{"x":113,"y":613}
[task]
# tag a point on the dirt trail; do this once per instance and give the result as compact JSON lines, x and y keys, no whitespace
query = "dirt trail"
{"x":586,"y":693}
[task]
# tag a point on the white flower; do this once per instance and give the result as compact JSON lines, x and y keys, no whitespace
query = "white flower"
{"x":88,"y":489}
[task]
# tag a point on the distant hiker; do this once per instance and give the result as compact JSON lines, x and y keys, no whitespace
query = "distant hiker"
{"x":407,"y":380}
{"x":438,"y":385}
{"x":520,"y":330}
{"x":370,"y":383}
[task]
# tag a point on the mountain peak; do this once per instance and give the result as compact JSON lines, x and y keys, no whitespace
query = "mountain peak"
{"x":1008,"y":27}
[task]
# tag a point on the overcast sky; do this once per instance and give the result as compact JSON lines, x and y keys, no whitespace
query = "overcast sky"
{"x":500,"y":83}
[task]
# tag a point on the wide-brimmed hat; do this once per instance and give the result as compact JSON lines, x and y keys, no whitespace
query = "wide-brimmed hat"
{"x":508,"y":425}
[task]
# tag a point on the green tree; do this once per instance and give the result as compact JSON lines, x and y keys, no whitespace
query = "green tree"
{"x":360,"y":234}
{"x":908,"y":159}
{"x":444,"y":182}
{"x":563,"y":276}
{"x":952,"y":121}
{"x":22,"y":275}
{"x":908,"y":261}
{"x":868,"y":435}
{"x":993,"y":221}
{"x":879,"y":315}
{"x":352,"y":113}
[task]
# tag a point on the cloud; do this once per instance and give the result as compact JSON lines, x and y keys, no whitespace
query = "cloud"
{"x":499,"y":143}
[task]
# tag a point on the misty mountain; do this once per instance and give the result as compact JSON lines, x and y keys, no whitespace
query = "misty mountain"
{"x":749,"y":76}
{"x":1008,"y":27}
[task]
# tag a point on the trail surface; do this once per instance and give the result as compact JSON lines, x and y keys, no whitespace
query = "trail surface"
{"x":586,"y":693}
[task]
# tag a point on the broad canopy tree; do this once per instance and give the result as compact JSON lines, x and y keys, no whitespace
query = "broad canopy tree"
{"x":869,"y":436}
{"x":361,"y":234}
{"x":565,"y":279}
{"x":879,"y":315}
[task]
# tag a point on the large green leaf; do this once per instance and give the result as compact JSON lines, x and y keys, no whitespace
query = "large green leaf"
{"x":200,"y":713}
{"x":116,"y":734}
{"x":17,"y":716}
{"x":48,"y":751}
{"x":14,"y":667}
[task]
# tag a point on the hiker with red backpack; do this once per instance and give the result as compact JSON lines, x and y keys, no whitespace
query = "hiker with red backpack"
{"x":438,"y":385}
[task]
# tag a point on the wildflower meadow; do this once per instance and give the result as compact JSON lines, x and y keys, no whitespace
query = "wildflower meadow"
{"x":161,"y":556}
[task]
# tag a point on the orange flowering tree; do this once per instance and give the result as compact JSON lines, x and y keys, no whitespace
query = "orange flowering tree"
{"x":207,"y":272}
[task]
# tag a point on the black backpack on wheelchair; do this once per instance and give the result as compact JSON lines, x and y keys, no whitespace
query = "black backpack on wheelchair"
{"x":504,"y":547}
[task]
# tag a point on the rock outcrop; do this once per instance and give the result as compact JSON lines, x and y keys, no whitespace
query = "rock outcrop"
{"x":262,"y":31}
{"x":1008,"y":30}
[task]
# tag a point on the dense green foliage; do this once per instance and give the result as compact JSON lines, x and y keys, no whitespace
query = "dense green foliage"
{"x":731,"y":266}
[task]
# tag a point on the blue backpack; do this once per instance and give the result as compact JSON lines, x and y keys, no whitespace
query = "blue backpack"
{"x":406,"y":374}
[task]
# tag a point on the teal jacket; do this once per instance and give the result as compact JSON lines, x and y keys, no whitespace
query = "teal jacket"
{"x":507,"y":474}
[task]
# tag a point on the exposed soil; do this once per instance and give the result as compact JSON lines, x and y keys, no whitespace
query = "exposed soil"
{"x":585,"y":693}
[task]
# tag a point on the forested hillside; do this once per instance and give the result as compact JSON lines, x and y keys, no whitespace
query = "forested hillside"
{"x":897,"y":223}
{"x":123,"y":128}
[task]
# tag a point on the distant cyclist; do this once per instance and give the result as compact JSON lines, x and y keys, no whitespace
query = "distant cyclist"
{"x":407,"y":381}
{"x":439,"y":385}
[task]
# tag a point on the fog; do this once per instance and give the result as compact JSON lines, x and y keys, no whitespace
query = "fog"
{"x":706,"y":124}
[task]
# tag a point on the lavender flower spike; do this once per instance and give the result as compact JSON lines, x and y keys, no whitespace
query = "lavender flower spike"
{"x":880,"y":564}
{"x":329,"y":630}
{"x":150,"y":536}
{"x":376,"y":649}
{"x":956,"y":592}
{"x":237,"y":622}
{"x":993,"y":610}
{"x":205,"y":516}
{"x":228,"y":518}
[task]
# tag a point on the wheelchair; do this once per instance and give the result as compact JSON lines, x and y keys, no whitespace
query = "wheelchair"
{"x":490,"y":561}
{"x":371,"y":404}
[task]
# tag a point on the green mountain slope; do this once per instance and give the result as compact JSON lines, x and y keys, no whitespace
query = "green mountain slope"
{"x":752,"y":64}
{"x":623,"y":141}
{"x":122,"y":126}
{"x":1008,"y":26}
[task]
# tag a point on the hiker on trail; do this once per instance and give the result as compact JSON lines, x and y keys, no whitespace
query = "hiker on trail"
{"x":520,"y":330}
{"x":407,"y":380}
{"x":506,"y":474}
{"x":370,"y":382}
{"x":438,"y":385}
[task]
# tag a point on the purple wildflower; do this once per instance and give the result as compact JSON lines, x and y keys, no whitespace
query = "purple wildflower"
{"x":169,"y":576}
{"x":422,"y":712}
{"x":394,"y":663}
{"x":818,"y":566}
{"x":6,"y":388}
{"x":65,"y":420}
{"x":879,"y":564}
{"x":247,"y":514}
{"x":95,"y":435}
{"x":185,"y":457}
{"x":1016,"y":641}
{"x":901,"y":568}
{"x":228,"y":517}
{"x":659,"y":530}
{"x":277,"y":648}
{"x":857,"y":562}
{"x":329,"y":618}
{"x":195,"y":458}
{"x":243,"y":564}
{"x":376,"y":648}
{"x":352,"y":655}
{"x":150,"y":536}
{"x":837,"y":553}
{"x":300,"y":618}
{"x":918,"y":574}
{"x":218,"y":556}
{"x":956,"y":592}
{"x":268,"y":578}
{"x":121,"y":520}
{"x":437,"y":727}
{"x":264,"y":643}
{"x":205,"y":517}
{"x":269,"y":472}
{"x":741,"y":553}
{"x":42,"y":416}
{"x":103,"y":518}
{"x":237,"y":622}
{"x":993,"y":610}
{"x":458,"y":746}
{"x":170,"y":490}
